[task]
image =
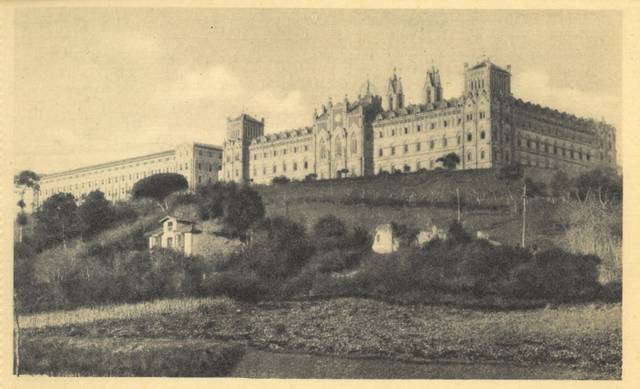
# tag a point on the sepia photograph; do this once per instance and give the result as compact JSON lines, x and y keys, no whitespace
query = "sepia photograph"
{"x":316,"y":193}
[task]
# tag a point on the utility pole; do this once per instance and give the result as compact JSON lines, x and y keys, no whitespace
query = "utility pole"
{"x":524,"y":213}
{"x":458,"y":197}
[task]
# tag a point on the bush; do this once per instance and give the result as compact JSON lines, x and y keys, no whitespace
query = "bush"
{"x":329,"y":226}
{"x":280,"y":180}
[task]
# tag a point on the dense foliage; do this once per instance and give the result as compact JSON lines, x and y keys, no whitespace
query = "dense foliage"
{"x":159,"y":186}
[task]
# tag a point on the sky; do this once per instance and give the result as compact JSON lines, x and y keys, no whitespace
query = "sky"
{"x":99,"y":84}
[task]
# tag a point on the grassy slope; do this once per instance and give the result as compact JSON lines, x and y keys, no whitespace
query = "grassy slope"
{"x":584,"y":337}
{"x":430,"y":198}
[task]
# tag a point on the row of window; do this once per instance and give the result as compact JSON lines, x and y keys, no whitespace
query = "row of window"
{"x":338,"y":149}
{"x":102,"y":182}
{"x":274,"y":168}
{"x":282,"y":151}
{"x":431,"y":143}
{"x":92,"y":172}
{"x":555,"y":149}
{"x":433,"y":125}
{"x":431,"y":163}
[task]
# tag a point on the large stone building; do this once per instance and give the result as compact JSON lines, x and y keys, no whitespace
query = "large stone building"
{"x":486,"y":127}
{"x":198,"y":163}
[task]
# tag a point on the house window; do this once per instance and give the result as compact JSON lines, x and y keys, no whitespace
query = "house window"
{"x":380,"y":153}
{"x":431,"y":144}
{"x":170,"y":242}
{"x":380,"y":134}
{"x":406,"y":130}
{"x":482,"y":135}
{"x":417,"y":146}
{"x":306,"y":165}
{"x":170,"y":226}
{"x":445,"y":123}
{"x":393,"y":150}
{"x":418,"y":128}
{"x":482,"y":154}
{"x":468,"y":156}
{"x":295,"y":166}
{"x":469,"y":137}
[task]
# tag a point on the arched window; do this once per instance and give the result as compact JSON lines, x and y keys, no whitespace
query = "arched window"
{"x":482,"y":135}
{"x":482,"y":154}
{"x":323,"y":150}
{"x":354,"y":144}
{"x":338,"y":147}
{"x":468,"y":156}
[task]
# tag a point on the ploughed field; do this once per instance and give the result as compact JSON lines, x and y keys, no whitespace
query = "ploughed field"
{"x":220,"y":337}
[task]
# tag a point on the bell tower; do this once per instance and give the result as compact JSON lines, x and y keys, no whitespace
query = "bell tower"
{"x":432,"y":87}
{"x":395,"y":96}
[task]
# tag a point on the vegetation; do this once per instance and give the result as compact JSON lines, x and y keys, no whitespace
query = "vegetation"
{"x":449,"y":161}
{"x":280,"y":180}
{"x":158,"y":187}
{"x":579,"y":338}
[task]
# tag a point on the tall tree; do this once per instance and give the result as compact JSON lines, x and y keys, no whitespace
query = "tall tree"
{"x":57,"y":220}
{"x":96,"y":213}
{"x":158,"y":187}
{"x":25,"y":180}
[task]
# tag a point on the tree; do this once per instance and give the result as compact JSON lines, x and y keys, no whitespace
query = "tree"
{"x":22,"y":221}
{"x":26,"y":179}
{"x":329,"y":226}
{"x":159,"y":186}
{"x":57,"y":220}
{"x":96,"y":214}
{"x":604,"y":184}
{"x":242,"y":210}
{"x":511,"y":172}
{"x":449,"y":161}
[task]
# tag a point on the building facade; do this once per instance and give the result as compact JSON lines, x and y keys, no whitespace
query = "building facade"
{"x":198,"y":163}
{"x":486,"y":127}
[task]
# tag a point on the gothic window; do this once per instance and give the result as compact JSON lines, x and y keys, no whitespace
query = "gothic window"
{"x":468,"y":156}
{"x":354,"y":144}
{"x":338,"y":147}
{"x":323,"y":150}
{"x":482,"y":135}
{"x":482,"y":154}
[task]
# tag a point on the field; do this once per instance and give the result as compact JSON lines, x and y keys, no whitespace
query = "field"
{"x":418,"y":199}
{"x":584,"y":339}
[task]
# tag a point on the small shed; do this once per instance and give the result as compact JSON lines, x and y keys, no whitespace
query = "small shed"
{"x":384,"y":241}
{"x":177,"y":234}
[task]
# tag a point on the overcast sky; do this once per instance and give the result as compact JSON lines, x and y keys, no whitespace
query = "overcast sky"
{"x":97,"y":84}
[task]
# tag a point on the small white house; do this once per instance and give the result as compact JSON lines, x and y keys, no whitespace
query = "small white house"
{"x":383,"y":241}
{"x":177,"y":234}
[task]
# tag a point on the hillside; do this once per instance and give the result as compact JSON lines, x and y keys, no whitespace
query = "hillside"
{"x":419,"y":199}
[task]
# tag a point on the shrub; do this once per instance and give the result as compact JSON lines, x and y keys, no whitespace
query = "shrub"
{"x":329,"y":226}
{"x":280,"y":180}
